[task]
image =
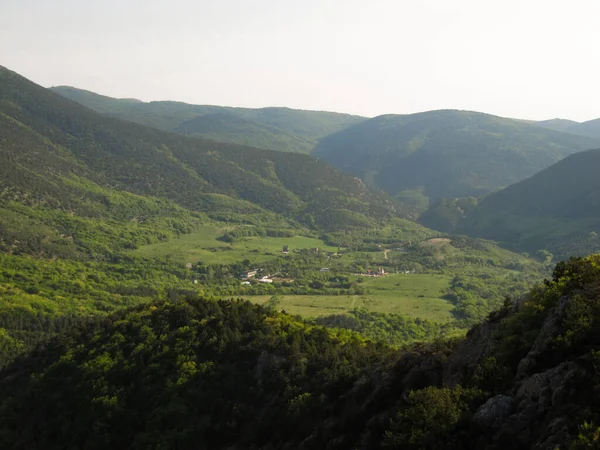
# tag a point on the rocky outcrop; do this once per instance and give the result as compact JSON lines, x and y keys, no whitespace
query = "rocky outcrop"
{"x":542,"y":409}
{"x":463,"y":361}
{"x":543,"y":341}
{"x":493,"y":412}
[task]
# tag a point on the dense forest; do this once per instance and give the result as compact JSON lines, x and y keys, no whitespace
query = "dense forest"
{"x":227,"y":374}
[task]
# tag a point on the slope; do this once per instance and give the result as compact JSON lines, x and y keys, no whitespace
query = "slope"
{"x":447,"y":153}
{"x":204,"y":374}
{"x":591,"y":128}
{"x":558,"y":124}
{"x":54,"y":152}
{"x":281,"y":129}
{"x":227,"y":127}
{"x":556,"y":209}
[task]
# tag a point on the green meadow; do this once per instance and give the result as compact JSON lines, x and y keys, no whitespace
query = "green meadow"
{"x":203,"y":246}
{"x":415,"y":295}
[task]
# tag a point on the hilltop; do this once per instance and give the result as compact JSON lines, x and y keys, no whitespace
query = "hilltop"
{"x":282,"y":129}
{"x":590,"y":128}
{"x":446,"y":153}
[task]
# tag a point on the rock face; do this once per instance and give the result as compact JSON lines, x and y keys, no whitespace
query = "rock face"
{"x":464,"y":359}
{"x":542,"y":414}
{"x":538,"y":409}
{"x":493,"y":412}
{"x":543,"y":341}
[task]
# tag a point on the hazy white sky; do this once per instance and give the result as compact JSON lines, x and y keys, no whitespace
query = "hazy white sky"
{"x":520,"y":58}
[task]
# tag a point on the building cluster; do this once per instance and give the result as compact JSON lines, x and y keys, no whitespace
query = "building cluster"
{"x":373,"y":273}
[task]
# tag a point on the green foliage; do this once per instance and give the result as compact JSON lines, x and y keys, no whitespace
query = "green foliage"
{"x":223,"y":374}
{"x":447,"y":214}
{"x":393,"y":329}
{"x":174,"y":366}
{"x":58,"y":154}
{"x":588,"y":438}
{"x":431,"y":420}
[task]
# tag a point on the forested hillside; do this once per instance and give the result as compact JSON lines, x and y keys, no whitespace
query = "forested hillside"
{"x":556,"y":209}
{"x":58,"y":159}
{"x":447,"y":153}
{"x":215,"y":375}
{"x":281,"y":129}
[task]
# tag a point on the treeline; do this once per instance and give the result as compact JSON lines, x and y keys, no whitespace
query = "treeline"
{"x":242,"y":232}
{"x":393,"y":329}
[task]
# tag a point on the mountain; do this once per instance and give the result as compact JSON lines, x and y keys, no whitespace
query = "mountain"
{"x":558,"y":124}
{"x":200,"y":373}
{"x":446,"y":153}
{"x":281,"y":129}
{"x":227,"y":127}
{"x":557,"y":209}
{"x":58,"y":157}
{"x":591,"y":128}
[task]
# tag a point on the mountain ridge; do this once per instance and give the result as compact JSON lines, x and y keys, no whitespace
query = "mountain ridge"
{"x":300,"y":128}
{"x":65,"y":157}
{"x":447,"y":153}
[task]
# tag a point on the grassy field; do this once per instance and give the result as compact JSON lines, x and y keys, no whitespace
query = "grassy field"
{"x":416,"y":295}
{"x":203,"y":246}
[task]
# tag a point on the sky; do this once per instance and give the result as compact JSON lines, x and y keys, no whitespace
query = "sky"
{"x":530,"y":59}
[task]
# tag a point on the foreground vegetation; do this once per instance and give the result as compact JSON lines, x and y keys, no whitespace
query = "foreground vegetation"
{"x":224,"y":374}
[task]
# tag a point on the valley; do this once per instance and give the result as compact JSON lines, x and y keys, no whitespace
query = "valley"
{"x":413,"y":295}
{"x":279,"y":278}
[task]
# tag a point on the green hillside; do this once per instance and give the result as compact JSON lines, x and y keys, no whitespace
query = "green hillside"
{"x":200,"y":373}
{"x":557,"y":209}
{"x":281,"y":129}
{"x":227,"y":127}
{"x":446,"y":153}
{"x":56,"y":155}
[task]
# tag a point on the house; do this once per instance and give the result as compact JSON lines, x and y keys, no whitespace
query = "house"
{"x":265,"y":280}
{"x":245,"y":283}
{"x":189,"y":266}
{"x":285,"y":250}
{"x":248,"y":274}
{"x":324,"y":269}
{"x":314,"y":251}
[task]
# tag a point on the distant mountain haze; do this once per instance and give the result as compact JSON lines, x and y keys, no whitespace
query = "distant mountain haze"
{"x":281,"y":129}
{"x":447,"y":153}
{"x":556,"y":209}
{"x":590,"y":128}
